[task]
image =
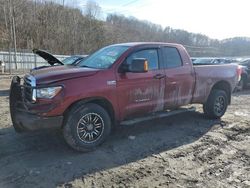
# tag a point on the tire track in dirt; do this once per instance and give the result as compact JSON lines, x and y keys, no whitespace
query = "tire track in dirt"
{"x":184,"y":150}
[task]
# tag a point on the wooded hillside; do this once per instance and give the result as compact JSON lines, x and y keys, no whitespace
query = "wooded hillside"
{"x":66,"y":30}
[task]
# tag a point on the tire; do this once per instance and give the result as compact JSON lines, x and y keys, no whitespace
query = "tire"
{"x":86,"y":127}
{"x":216,"y":104}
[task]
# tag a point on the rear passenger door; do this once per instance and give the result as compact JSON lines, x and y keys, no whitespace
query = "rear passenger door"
{"x":179,"y":80}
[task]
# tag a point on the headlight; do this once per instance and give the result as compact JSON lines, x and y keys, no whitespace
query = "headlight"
{"x":48,"y":93}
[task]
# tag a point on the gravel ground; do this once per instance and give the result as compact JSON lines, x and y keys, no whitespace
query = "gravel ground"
{"x":185,"y":150}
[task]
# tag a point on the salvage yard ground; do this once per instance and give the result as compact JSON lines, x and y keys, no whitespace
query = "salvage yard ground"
{"x":185,"y":150}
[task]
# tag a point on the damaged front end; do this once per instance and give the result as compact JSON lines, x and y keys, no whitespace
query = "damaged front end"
{"x":23,"y":107}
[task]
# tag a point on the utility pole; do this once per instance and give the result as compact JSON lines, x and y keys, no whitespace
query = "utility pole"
{"x":10,"y":36}
{"x":7,"y":29}
{"x":13,"y":21}
{"x":14,"y":37}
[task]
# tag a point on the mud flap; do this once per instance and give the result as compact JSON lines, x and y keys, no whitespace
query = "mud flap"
{"x":15,"y":96}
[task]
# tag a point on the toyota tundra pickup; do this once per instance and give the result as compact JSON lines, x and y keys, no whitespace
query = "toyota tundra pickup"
{"x":117,"y":83}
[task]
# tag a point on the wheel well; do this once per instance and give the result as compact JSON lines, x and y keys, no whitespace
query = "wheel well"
{"x":99,"y":101}
{"x":225,"y":86}
{"x":107,"y":106}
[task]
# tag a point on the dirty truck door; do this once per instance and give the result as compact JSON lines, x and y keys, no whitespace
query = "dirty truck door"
{"x":180,"y":78}
{"x":141,"y":93}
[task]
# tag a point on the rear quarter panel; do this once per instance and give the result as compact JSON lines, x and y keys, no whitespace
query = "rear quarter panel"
{"x":208,"y":75}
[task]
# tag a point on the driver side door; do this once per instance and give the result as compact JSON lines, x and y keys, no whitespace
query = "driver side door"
{"x":140,"y":93}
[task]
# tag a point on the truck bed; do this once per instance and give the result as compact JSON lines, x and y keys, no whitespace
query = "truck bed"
{"x":207,"y":75}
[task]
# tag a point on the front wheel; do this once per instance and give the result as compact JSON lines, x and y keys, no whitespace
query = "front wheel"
{"x":86,"y":127}
{"x":216,"y":104}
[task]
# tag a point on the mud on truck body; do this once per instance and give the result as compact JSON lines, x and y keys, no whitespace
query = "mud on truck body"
{"x":117,"y":83}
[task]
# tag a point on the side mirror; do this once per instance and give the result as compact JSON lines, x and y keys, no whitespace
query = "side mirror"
{"x":138,"y":65}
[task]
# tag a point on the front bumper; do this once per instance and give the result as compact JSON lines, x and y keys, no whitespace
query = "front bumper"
{"x":24,"y":119}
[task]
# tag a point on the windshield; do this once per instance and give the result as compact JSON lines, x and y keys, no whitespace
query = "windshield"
{"x":103,"y":58}
{"x":70,"y":60}
{"x":202,"y":61}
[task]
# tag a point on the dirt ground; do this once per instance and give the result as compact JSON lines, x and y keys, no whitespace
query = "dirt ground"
{"x":185,"y":150}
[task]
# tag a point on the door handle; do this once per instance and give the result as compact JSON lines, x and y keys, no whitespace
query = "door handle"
{"x":159,"y":76}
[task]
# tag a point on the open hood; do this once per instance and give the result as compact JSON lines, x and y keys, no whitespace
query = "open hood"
{"x":52,"y":60}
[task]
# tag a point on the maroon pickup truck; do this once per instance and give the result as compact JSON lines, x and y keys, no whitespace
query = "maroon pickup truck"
{"x":117,"y":83}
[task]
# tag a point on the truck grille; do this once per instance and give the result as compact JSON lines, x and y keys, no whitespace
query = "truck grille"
{"x":29,"y":91}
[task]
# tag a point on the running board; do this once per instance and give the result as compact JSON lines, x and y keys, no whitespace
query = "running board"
{"x":158,"y":115}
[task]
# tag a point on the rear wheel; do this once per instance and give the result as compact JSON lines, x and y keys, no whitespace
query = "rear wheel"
{"x":216,"y":104}
{"x":86,"y":127}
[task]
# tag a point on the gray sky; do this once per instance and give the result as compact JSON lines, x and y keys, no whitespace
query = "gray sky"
{"x":218,"y":19}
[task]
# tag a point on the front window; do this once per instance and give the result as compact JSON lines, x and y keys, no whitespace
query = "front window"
{"x":103,"y":58}
{"x":150,"y":54}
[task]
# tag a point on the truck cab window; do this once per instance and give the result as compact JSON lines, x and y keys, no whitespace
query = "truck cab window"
{"x":150,"y":54}
{"x":171,"y":57}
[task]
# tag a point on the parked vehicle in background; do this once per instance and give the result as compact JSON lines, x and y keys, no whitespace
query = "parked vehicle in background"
{"x":244,"y":68}
{"x":246,"y":63}
{"x":53,"y":61}
{"x":73,"y":60}
{"x":193,"y":59}
{"x":245,"y":77}
{"x":117,"y":83}
{"x":210,"y":61}
{"x":232,"y":60}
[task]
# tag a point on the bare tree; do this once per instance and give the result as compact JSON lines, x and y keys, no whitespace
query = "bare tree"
{"x":60,"y":27}
{"x":92,"y":10}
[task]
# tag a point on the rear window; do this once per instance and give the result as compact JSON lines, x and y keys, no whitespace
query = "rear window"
{"x":171,"y":57}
